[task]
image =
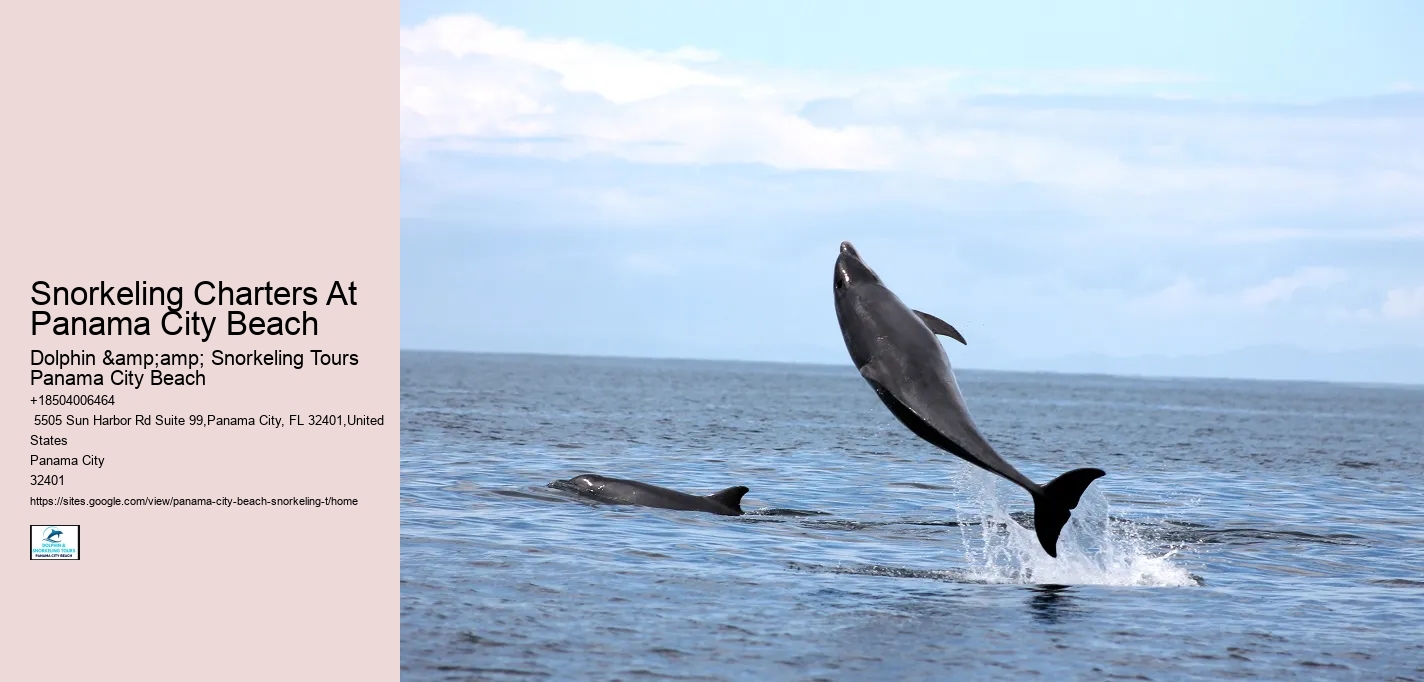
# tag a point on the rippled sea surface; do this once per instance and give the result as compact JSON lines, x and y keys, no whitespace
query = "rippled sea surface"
{"x":1262,"y":530}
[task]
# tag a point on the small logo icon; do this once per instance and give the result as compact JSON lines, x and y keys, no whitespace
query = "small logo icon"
{"x":54,"y":542}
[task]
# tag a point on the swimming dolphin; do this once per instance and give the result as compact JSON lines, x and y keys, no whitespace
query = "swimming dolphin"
{"x":54,"y":533}
{"x":896,"y":351}
{"x":622,"y":491}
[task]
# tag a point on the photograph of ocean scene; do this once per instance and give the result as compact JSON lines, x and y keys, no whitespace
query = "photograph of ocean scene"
{"x":912,"y":341}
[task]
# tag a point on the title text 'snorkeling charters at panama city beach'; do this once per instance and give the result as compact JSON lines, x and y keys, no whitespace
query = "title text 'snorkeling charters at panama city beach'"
{"x":175,"y":320}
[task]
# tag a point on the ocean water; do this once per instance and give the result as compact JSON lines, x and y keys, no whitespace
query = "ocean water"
{"x":1245,"y":529}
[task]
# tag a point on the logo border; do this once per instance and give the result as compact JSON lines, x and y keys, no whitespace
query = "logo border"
{"x":30,"y":541}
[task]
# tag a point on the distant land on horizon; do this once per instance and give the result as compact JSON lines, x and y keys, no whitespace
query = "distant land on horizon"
{"x":1398,"y":365}
{"x":1386,"y":365}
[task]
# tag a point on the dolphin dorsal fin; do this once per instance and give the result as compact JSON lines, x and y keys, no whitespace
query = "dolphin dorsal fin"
{"x":731,"y":497}
{"x":941,"y":327}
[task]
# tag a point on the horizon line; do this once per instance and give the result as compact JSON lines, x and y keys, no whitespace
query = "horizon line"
{"x":1364,"y":384}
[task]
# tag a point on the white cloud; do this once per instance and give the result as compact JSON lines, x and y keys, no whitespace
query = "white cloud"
{"x":470,"y":85}
{"x":485,"y":86}
{"x":1185,"y":297}
{"x":1181,"y":296}
{"x":1404,"y":303}
{"x":614,"y":73}
{"x":1282,"y":288}
{"x":1359,"y":233}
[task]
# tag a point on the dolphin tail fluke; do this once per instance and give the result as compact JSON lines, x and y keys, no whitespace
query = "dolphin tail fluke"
{"x":1055,"y":504}
{"x":731,"y":497}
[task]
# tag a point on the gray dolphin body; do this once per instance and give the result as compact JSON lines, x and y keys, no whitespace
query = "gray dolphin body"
{"x":622,"y":491}
{"x":896,"y":351}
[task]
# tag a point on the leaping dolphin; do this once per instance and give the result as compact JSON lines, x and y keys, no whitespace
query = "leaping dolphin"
{"x":896,"y":351}
{"x":622,"y":491}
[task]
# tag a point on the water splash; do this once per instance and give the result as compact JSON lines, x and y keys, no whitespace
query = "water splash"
{"x":1092,"y":550}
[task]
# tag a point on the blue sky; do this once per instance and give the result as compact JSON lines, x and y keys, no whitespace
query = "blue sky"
{"x":1070,"y":184}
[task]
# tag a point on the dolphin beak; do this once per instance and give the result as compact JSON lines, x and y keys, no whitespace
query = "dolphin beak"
{"x":845,"y":263}
{"x":851,"y":269}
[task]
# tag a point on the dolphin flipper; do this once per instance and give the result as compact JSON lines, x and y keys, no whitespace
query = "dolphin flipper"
{"x":871,"y":373}
{"x":941,"y":327}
